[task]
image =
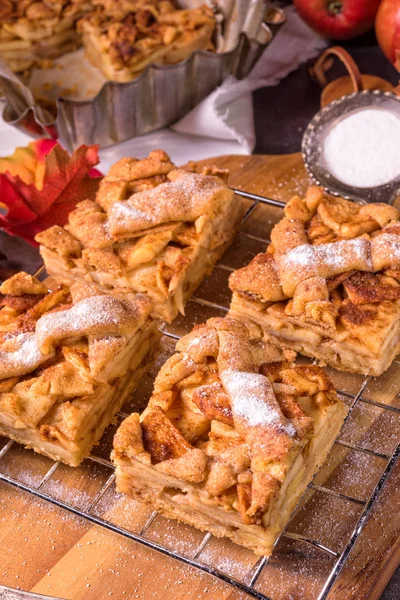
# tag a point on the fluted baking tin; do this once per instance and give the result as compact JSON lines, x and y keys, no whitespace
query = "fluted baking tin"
{"x":160,"y":96}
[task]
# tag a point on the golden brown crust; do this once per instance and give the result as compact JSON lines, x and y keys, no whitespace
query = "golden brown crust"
{"x":121,"y":38}
{"x":212,"y":400}
{"x":223,"y":414}
{"x":127,"y":36}
{"x":129,"y":436}
{"x":64,"y":361}
{"x":57,"y":238}
{"x":160,"y":438}
{"x":157,"y":238}
{"x":12,"y":11}
{"x":34,"y":31}
{"x":363,"y":288}
{"x":21,"y":302}
{"x":185,"y":199}
{"x":335,"y":265}
{"x":23,"y":284}
{"x":259,"y":280}
{"x":294,"y":258}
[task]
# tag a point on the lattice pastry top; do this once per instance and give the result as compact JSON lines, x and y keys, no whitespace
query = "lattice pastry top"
{"x":148,"y":214}
{"x":324,"y":252}
{"x":230,"y":413}
{"x":139,"y":197}
{"x":73,"y":332}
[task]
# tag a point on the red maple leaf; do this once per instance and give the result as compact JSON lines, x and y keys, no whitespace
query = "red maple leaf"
{"x":42,"y":183}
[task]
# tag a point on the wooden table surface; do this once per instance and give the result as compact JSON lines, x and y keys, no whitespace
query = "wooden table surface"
{"x":49,"y":551}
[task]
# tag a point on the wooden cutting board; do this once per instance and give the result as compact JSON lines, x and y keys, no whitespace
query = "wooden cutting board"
{"x":49,"y":551}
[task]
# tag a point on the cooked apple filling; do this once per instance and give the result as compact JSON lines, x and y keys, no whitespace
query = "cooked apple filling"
{"x":231,"y":437}
{"x":154,"y":230}
{"x":328,"y":284}
{"x":123,"y":38}
{"x":69,"y":358}
{"x":32,"y":32}
{"x":119,"y":37}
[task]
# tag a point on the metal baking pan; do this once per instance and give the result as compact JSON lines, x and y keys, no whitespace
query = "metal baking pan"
{"x":160,"y":96}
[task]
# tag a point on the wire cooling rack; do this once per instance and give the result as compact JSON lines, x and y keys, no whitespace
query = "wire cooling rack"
{"x":248,"y":583}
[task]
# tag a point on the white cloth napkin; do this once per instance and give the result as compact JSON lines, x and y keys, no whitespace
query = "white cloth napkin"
{"x":223,"y":123}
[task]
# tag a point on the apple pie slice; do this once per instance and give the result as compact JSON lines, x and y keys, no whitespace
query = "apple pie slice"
{"x":328,"y":284}
{"x":33,"y":31}
{"x":154,"y":229}
{"x":231,"y":437}
{"x":69,"y":358}
{"x":123,"y":38}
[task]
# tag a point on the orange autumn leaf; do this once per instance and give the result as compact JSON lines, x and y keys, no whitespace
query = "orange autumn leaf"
{"x":42,"y":183}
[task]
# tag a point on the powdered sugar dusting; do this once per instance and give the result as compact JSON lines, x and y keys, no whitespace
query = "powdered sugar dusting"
{"x":301,"y":256}
{"x":185,"y":199}
{"x":335,"y":256}
{"x":253,"y":399}
{"x":345,"y":255}
{"x":388,"y":246}
{"x":20,"y":355}
{"x":123,"y":211}
{"x":95,"y":315}
{"x":325,"y":260}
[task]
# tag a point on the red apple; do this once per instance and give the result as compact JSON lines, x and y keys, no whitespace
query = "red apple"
{"x":387,"y":27}
{"x":338,"y":19}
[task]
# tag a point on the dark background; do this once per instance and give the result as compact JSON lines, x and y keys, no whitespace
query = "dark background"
{"x":283,"y":112}
{"x":281,"y":115}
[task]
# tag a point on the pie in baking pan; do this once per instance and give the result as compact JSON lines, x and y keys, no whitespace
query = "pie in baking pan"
{"x":154,"y":229}
{"x":69,"y":358}
{"x":32,"y":32}
{"x":232,"y":435}
{"x":123,"y":38}
{"x":328,"y":284}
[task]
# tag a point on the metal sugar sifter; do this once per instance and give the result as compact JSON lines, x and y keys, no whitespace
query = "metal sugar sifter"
{"x":314,"y":147}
